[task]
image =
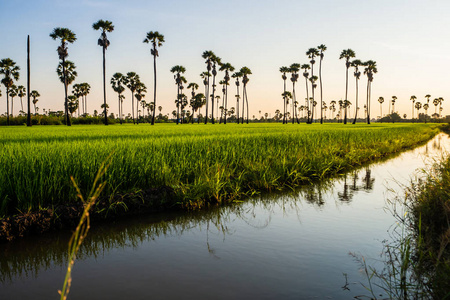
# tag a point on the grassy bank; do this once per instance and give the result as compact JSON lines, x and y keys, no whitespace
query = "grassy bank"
{"x":200,"y":163}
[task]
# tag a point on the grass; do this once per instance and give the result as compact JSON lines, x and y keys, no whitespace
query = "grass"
{"x":203,"y":164}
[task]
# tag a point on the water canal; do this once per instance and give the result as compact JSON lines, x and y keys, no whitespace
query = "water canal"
{"x":288,"y":246}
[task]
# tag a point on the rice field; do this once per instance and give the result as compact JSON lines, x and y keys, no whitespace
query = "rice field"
{"x":202,"y":163}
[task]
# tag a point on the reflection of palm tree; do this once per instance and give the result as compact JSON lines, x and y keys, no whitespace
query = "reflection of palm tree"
{"x":354,"y":186}
{"x":368,"y":180}
{"x":346,"y":195}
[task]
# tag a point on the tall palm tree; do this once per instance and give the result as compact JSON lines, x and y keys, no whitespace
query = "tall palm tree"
{"x":381,"y":100}
{"x":312,"y":53}
{"x":293,"y":69}
{"x":322,"y":49}
{"x":418,"y":106}
{"x":141,"y":89}
{"x":12,"y":94}
{"x":283,"y":71}
{"x":66,"y":36}
{"x":132,"y":82}
{"x":10,"y":72}
{"x":21,"y":92}
{"x":194,"y":87}
{"x":227,"y":67}
{"x":86,"y":89}
{"x":237,"y":75}
{"x":394,"y":98}
{"x":413,"y":99}
{"x":208,"y":55}
{"x":35,"y":94}
{"x":245,"y":72}
{"x":215,"y":61}
{"x":436,"y":103}
{"x":178,"y":70}
{"x":356,"y":63}
{"x":105,"y":26}
{"x":157,"y":40}
{"x":205,"y":76}
{"x":313,"y":80}
{"x":425,"y":107}
{"x":118,"y":85}
{"x":78,"y":92}
{"x":369,"y":70}
{"x":440,"y":106}
{"x":305,"y":68}
{"x":286,"y":97}
{"x":347,"y":54}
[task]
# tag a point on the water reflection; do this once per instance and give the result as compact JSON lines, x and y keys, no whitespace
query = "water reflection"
{"x":26,"y":258}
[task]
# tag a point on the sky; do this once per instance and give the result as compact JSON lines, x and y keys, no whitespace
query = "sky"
{"x":407,"y":38}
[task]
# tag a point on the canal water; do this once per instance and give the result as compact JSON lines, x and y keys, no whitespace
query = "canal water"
{"x":282,"y":246}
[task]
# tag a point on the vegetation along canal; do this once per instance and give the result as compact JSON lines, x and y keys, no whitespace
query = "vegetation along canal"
{"x":293,"y":245}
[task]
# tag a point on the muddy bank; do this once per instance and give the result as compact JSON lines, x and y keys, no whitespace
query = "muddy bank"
{"x":107,"y":208}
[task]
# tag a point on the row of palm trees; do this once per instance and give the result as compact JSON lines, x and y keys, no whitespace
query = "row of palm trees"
{"x":370,"y":69}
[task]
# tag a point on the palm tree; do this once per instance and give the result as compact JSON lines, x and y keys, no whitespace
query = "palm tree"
{"x":157,"y":40}
{"x":67,"y":74}
{"x":10,"y":72}
{"x":194,"y":87}
{"x":369,"y":70}
{"x":283,"y":71}
{"x":178,"y":70}
{"x":305,"y":68}
{"x":440,"y":106}
{"x":21,"y":92}
{"x":12,"y":94}
{"x":413,"y":99}
{"x":313,"y":80}
{"x":35,"y":94}
{"x":86,"y":89}
{"x":286,"y":97}
{"x":312,"y":53}
{"x":381,"y":100}
{"x":418,"y":106}
{"x":293,"y":69}
{"x":245,"y":72}
{"x":105,"y":26}
{"x":425,"y":107}
{"x":322,"y":49}
{"x":356,"y":63}
{"x":208,"y":55}
{"x":215,"y":61}
{"x":132,"y":82}
{"x":435,"y":102}
{"x":66,"y":36}
{"x":236,"y":75}
{"x":394,"y":98}
{"x":72,"y":104}
{"x":227,"y":67}
{"x":78,"y":92}
{"x":347,"y":54}
{"x":117,"y":83}
{"x":141,"y":89}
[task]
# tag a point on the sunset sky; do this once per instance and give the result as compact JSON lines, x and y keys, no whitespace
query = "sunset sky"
{"x":408,"y":39}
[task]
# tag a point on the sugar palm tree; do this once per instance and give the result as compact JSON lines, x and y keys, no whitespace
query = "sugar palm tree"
{"x":287,"y":96}
{"x":413,"y":99}
{"x":294,"y":68}
{"x":245,"y":72}
{"x":86,"y":89}
{"x":227,"y":67}
{"x":141,"y":89}
{"x":418,"y":106}
{"x":132,"y":82}
{"x":105,"y":26}
{"x":312,"y":53}
{"x":157,"y":40}
{"x":178,"y":70}
{"x":394,"y":98}
{"x":35,"y":94}
{"x":425,"y":107}
{"x":305,"y":68}
{"x":237,"y":75}
{"x":208,"y":56}
{"x":12,"y":94}
{"x":283,"y":71}
{"x":381,"y":100}
{"x":66,"y":36}
{"x":78,"y":92}
{"x":72,"y":103}
{"x":347,"y":54}
{"x":215,"y":61}
{"x":356,"y":64}
{"x":118,"y":85}
{"x":10,"y":72}
{"x":67,"y":75}
{"x":369,"y":70}
{"x":313,"y":80}
{"x":440,"y":106}
{"x":322,"y":49}
{"x":436,"y":103}
{"x":21,"y":92}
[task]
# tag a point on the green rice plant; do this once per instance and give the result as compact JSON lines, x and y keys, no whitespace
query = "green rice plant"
{"x":202,"y":163}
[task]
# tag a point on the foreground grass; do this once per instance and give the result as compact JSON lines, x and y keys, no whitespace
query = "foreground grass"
{"x":201,"y":163}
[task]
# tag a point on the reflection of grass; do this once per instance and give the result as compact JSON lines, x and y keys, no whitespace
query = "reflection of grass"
{"x":203,"y":164}
{"x":84,"y":224}
{"x":417,"y":260}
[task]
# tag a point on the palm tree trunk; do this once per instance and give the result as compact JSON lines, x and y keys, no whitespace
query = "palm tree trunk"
{"x":293,"y":102}
{"x":346,"y":94}
{"x":207,"y":97}
{"x":381,"y":112}
{"x":65,"y":94}
{"x":120,"y":112}
{"x":321,"y":96}
{"x":246,"y":100}
{"x":226,"y":104}
{"x":154,"y":84}
{"x":178,"y":102}
{"x":12,"y":107}
{"x":104,"y":86}
{"x":237,"y":104}
{"x":7,"y":106}
{"x":307,"y":101}
{"x":356,"y":107}
{"x":243,"y":103}
{"x":28,"y":82}
{"x":212,"y":98}
{"x":284,"y":103}
{"x":368,"y":101}
{"x":132,"y":105}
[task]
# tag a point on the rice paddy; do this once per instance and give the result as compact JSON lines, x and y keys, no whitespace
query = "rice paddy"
{"x":203,"y":164}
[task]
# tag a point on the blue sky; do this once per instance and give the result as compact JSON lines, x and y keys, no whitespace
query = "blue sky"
{"x":407,"y":39}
